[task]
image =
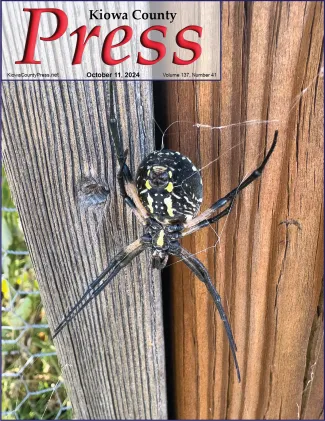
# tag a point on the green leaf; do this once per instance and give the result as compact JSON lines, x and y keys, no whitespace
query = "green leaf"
{"x":5,"y":266}
{"x":6,"y":235}
{"x":22,"y":312}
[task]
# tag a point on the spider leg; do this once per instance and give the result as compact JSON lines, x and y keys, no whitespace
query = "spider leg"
{"x":127,"y":188}
{"x":208,"y":221}
{"x":230,"y":196}
{"x":121,"y":260}
{"x":201,"y":272}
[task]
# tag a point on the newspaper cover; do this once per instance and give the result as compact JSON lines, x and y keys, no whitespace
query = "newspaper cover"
{"x":162,"y":209}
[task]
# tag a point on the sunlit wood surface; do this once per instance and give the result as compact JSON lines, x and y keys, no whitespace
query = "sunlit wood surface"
{"x":268,"y":264}
{"x":61,"y":165}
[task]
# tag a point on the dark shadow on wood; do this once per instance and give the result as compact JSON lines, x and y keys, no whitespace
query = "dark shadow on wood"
{"x":160,"y":115}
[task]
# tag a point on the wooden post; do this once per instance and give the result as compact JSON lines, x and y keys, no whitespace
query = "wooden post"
{"x":268,"y":263}
{"x":61,"y":165}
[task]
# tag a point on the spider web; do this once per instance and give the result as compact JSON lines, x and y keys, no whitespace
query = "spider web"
{"x":229,"y":140}
{"x":235,"y":139}
{"x":228,"y":143}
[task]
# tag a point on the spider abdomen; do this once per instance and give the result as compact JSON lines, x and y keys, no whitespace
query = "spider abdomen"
{"x":169,"y":186}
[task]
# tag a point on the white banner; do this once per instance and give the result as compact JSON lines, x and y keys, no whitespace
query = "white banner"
{"x":76,"y":40}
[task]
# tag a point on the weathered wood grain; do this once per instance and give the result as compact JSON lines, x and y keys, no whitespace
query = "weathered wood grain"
{"x":268,"y":265}
{"x":61,"y":166}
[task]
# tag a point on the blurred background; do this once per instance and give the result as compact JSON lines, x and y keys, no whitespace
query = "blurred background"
{"x":32,"y":386}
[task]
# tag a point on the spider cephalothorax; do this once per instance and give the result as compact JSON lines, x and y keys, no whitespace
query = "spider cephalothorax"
{"x":166,"y":199}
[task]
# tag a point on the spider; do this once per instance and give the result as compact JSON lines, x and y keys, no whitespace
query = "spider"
{"x":166,"y":199}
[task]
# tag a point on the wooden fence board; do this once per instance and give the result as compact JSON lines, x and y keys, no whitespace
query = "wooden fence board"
{"x":61,"y":165}
{"x":268,"y":265}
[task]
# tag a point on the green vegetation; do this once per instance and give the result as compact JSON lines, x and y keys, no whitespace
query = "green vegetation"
{"x":31,"y":383}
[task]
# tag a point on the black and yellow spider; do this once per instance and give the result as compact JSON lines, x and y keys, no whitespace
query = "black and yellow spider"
{"x":166,"y":198}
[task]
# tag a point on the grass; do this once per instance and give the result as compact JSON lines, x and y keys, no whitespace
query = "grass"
{"x":31,"y":382}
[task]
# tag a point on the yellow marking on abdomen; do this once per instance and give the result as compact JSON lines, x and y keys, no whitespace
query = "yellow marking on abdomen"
{"x":148,"y":185}
{"x":169,"y":187}
{"x":168,"y":202}
{"x":160,"y":240}
{"x":150,"y":202}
